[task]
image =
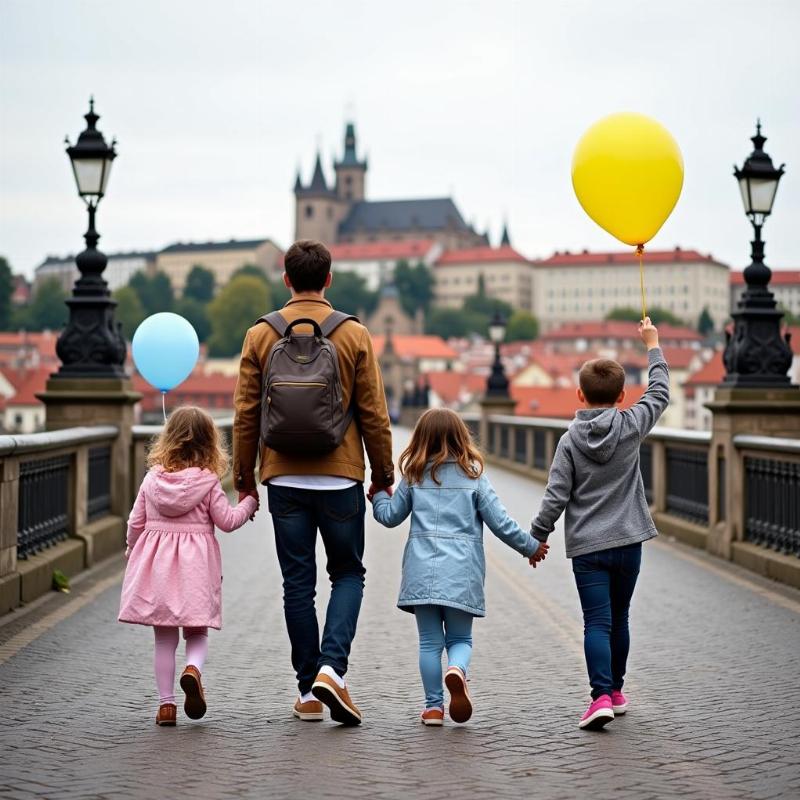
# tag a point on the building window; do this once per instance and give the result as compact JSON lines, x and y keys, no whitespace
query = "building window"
{"x":309,"y":212}
{"x":330,"y":212}
{"x":348,"y":180}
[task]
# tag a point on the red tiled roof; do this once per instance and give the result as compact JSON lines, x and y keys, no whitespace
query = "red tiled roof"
{"x":27,"y":384}
{"x":369,"y":251}
{"x":617,"y":329}
{"x":482,"y":255}
{"x":558,"y":402}
{"x":416,"y":346}
{"x":710,"y":374}
{"x":567,"y":259}
{"x":452,"y":387}
{"x":679,"y":357}
{"x":44,"y":342}
{"x":780,"y":277}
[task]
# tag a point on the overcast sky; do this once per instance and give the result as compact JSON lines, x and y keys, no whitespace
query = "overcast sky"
{"x":215,"y":104}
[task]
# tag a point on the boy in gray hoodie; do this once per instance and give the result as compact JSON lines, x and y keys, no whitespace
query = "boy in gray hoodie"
{"x":595,"y":476}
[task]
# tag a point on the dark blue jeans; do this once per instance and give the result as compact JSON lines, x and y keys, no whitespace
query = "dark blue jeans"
{"x":606,"y":581}
{"x":297,"y":514}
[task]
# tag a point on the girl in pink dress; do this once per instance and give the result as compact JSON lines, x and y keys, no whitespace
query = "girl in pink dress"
{"x":174,"y":574}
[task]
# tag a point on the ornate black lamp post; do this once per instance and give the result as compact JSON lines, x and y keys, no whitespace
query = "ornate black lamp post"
{"x":756,"y":355}
{"x":497,"y":385}
{"x":91,"y":345}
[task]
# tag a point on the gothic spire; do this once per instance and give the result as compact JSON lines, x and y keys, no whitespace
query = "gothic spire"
{"x":505,"y":240}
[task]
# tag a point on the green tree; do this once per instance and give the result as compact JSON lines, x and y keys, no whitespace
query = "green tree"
{"x":6,"y":290}
{"x":522,"y":327}
{"x":197,"y":313}
{"x":155,"y":292}
{"x":251,"y":270}
{"x":658,"y":315}
{"x":705,"y":324}
{"x":279,"y":294}
{"x":47,"y":310}
{"x":482,"y":303}
{"x":449,"y":322}
{"x":237,"y":305}
{"x":129,"y":310}
{"x":415,"y":286}
{"x":788,"y":317}
{"x":349,"y":293}
{"x":199,"y":284}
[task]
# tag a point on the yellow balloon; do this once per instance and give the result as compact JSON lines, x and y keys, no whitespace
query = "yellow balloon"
{"x":627,"y":172}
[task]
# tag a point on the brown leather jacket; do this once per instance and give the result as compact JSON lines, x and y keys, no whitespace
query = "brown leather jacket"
{"x":361,"y":378}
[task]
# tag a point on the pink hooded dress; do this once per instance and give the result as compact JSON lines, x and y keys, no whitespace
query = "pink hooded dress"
{"x":174,"y":573}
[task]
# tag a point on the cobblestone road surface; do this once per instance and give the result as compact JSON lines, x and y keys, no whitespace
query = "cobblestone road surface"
{"x":713,"y":684}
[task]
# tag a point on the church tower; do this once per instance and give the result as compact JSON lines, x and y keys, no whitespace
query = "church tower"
{"x":350,"y":172}
{"x":317,"y":208}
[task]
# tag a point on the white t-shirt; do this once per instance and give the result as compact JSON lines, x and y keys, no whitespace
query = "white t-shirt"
{"x":316,"y":482}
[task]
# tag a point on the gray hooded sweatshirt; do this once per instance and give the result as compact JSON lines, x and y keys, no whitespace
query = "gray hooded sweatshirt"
{"x":595,"y":473}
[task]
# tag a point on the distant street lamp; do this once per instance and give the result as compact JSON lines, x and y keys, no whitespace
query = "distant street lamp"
{"x":756,"y":354}
{"x":497,"y":385}
{"x":91,"y":345}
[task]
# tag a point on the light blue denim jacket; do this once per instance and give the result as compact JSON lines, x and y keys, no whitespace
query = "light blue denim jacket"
{"x":444,"y":563}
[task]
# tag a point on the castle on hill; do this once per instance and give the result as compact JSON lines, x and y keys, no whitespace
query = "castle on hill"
{"x":340,"y":213}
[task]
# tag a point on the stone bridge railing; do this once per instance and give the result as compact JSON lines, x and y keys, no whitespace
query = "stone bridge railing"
{"x":64,"y":499}
{"x":745,"y":508}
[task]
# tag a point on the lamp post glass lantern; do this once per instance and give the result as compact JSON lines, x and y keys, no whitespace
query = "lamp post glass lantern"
{"x":497,"y":384}
{"x":91,"y":344}
{"x":756,"y":354}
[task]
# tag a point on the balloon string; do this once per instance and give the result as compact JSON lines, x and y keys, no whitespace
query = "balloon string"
{"x":640,"y":256}
{"x":164,"y":404}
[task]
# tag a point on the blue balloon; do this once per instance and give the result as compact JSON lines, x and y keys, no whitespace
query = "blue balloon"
{"x":165,"y":350}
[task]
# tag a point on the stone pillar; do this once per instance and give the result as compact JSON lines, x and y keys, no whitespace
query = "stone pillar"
{"x":9,"y":498}
{"x":757,"y":412}
{"x":489,"y":406}
{"x":72,"y":402}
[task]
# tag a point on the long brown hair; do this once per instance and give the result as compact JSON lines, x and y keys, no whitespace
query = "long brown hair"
{"x":440,"y":435}
{"x":189,"y":439}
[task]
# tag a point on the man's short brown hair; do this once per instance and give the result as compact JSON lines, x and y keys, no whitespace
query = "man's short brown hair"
{"x":602,"y":379}
{"x":307,"y":264}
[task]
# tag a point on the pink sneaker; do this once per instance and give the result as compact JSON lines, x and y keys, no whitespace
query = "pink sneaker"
{"x":599,"y":713}
{"x":619,"y":703}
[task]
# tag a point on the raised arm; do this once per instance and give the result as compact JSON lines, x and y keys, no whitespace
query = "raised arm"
{"x":651,"y":406}
{"x":247,"y":419}
{"x":556,"y":495}
{"x":225,"y":516}
{"x":391,"y":511}
{"x":494,"y":514}
{"x":137,"y":518}
{"x":373,"y":416}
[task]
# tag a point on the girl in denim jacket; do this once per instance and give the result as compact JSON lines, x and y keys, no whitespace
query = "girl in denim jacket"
{"x":449,"y":497}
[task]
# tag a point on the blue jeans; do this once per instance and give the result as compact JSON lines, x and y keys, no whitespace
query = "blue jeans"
{"x":606,"y":581}
{"x":339,"y":516}
{"x":441,"y":627}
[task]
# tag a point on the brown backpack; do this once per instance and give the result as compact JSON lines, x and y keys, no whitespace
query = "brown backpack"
{"x":301,"y":404}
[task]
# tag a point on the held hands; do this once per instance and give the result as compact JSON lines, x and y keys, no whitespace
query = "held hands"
{"x":254,"y":494}
{"x":539,"y":555}
{"x":373,"y":489}
{"x":649,"y":333}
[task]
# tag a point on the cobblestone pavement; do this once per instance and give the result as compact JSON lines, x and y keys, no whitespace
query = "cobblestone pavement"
{"x":713,"y":684}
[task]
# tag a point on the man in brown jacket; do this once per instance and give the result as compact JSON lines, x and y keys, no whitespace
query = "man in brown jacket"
{"x":322,"y":493}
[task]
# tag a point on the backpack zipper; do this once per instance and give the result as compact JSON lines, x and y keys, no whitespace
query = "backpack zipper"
{"x":298,"y":383}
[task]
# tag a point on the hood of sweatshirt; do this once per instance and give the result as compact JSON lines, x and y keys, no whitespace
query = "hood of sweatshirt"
{"x":595,"y":432}
{"x":176,"y":493}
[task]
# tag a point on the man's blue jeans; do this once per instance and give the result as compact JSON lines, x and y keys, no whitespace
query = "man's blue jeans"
{"x":297,"y":514}
{"x":606,"y":581}
{"x":441,"y":627}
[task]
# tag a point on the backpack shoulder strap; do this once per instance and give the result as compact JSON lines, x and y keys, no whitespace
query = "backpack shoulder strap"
{"x":334,"y":320}
{"x":277,"y":321}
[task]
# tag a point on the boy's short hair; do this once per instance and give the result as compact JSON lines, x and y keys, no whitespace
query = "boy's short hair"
{"x":601,"y":380}
{"x":307,"y":264}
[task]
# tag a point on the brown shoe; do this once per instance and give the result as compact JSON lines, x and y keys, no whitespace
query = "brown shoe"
{"x":166,"y":715}
{"x":342,"y":708}
{"x":195,"y":703}
{"x":310,"y":711}
{"x":432,"y":717}
{"x":460,"y":708}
